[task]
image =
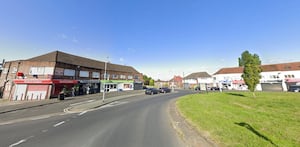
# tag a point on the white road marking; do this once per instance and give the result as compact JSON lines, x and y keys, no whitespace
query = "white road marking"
{"x":17,"y":143}
{"x":58,"y":124}
{"x":82,"y":113}
{"x":116,"y":103}
{"x":89,"y":101}
{"x":44,"y":131}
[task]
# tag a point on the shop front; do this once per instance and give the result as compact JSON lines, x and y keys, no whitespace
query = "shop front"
{"x":116,"y":85}
{"x":39,"y":89}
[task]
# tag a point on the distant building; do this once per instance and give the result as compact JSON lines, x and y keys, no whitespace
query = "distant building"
{"x":274,"y":77}
{"x":198,"y":79}
{"x":45,"y":76}
{"x":176,"y":82}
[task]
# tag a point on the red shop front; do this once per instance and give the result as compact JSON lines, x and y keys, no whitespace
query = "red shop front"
{"x":39,"y":89}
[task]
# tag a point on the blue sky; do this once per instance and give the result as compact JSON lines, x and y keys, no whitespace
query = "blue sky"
{"x":160,"y":38}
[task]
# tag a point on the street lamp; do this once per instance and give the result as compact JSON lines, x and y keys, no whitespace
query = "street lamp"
{"x":104,"y":86}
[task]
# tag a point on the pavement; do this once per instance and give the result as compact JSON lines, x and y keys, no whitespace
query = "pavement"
{"x":12,"y":106}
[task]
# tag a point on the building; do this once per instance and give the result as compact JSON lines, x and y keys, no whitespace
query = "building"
{"x":176,"y":82}
{"x":198,"y":79}
{"x":45,"y":76}
{"x":274,"y":77}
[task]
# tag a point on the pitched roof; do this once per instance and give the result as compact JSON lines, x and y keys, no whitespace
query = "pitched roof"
{"x":58,"y":56}
{"x":198,"y":75}
{"x":265,"y":68}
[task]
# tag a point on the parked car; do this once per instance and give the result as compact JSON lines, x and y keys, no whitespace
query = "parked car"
{"x":214,"y":88}
{"x":151,"y":91}
{"x":164,"y":90}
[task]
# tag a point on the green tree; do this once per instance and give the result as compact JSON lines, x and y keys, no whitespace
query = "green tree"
{"x":252,"y":70}
{"x":246,"y":55}
{"x":151,"y":82}
{"x":146,"y":80}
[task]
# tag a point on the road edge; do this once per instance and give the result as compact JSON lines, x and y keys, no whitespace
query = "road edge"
{"x":186,"y":131}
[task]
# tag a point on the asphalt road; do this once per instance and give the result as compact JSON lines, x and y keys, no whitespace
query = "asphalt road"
{"x":141,"y":121}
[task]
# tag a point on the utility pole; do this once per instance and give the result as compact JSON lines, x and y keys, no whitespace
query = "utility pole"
{"x":105,"y":78}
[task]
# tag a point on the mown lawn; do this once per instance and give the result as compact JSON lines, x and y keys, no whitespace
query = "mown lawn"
{"x":238,"y":119}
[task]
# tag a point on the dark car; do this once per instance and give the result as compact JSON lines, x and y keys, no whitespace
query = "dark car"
{"x":151,"y":91}
{"x":164,"y":90}
{"x":214,"y":88}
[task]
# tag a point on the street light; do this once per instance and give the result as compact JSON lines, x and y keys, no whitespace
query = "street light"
{"x":104,"y":86}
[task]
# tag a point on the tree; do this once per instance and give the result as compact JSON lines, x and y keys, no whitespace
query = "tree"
{"x":252,"y":70}
{"x":246,"y":55}
{"x":147,"y":80}
{"x":151,"y":82}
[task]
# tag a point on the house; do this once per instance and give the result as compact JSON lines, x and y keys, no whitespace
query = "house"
{"x":200,"y":79}
{"x":274,"y":77}
{"x":176,"y":82}
{"x":45,"y":76}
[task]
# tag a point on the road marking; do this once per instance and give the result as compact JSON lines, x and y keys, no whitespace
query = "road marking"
{"x":44,"y":131}
{"x":17,"y":143}
{"x":82,"y":113}
{"x":58,"y":124}
{"x":89,"y":101}
{"x":116,"y":103}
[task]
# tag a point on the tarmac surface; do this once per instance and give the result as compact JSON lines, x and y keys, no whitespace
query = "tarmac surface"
{"x":85,"y":103}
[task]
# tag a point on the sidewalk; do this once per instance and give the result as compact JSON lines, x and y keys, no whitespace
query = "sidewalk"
{"x":10,"y":106}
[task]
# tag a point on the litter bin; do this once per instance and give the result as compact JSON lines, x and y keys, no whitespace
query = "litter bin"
{"x":61,"y":96}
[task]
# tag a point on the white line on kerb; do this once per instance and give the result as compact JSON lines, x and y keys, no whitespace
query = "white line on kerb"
{"x":58,"y":124}
{"x":82,"y":113}
{"x":17,"y":143}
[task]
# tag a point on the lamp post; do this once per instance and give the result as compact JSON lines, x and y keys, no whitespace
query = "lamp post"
{"x":104,"y":88}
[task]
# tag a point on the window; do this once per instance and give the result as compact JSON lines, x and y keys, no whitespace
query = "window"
{"x":106,"y":76}
{"x":130,"y":77}
{"x":114,"y":76}
{"x":14,"y":70}
{"x":122,"y":77}
{"x":136,"y":77}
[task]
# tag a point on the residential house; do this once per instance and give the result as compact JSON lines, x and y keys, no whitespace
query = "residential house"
{"x":198,"y":79}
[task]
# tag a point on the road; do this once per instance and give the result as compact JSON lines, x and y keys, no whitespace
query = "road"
{"x":132,"y":122}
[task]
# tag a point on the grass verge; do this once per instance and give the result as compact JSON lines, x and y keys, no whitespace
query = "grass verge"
{"x":238,"y":119}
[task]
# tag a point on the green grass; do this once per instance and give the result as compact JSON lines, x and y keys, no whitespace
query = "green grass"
{"x":238,"y":119}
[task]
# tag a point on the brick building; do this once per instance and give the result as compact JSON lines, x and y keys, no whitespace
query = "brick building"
{"x":45,"y":76}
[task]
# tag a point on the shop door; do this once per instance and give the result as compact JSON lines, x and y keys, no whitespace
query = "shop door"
{"x":20,"y":92}
{"x":37,"y":92}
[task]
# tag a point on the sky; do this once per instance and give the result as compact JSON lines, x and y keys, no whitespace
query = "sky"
{"x":159,"y":38}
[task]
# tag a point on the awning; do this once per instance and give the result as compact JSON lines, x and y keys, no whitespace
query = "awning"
{"x":238,"y":82}
{"x":292,"y":80}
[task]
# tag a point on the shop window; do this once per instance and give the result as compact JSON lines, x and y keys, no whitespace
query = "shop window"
{"x":285,"y":76}
{"x":293,"y":76}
